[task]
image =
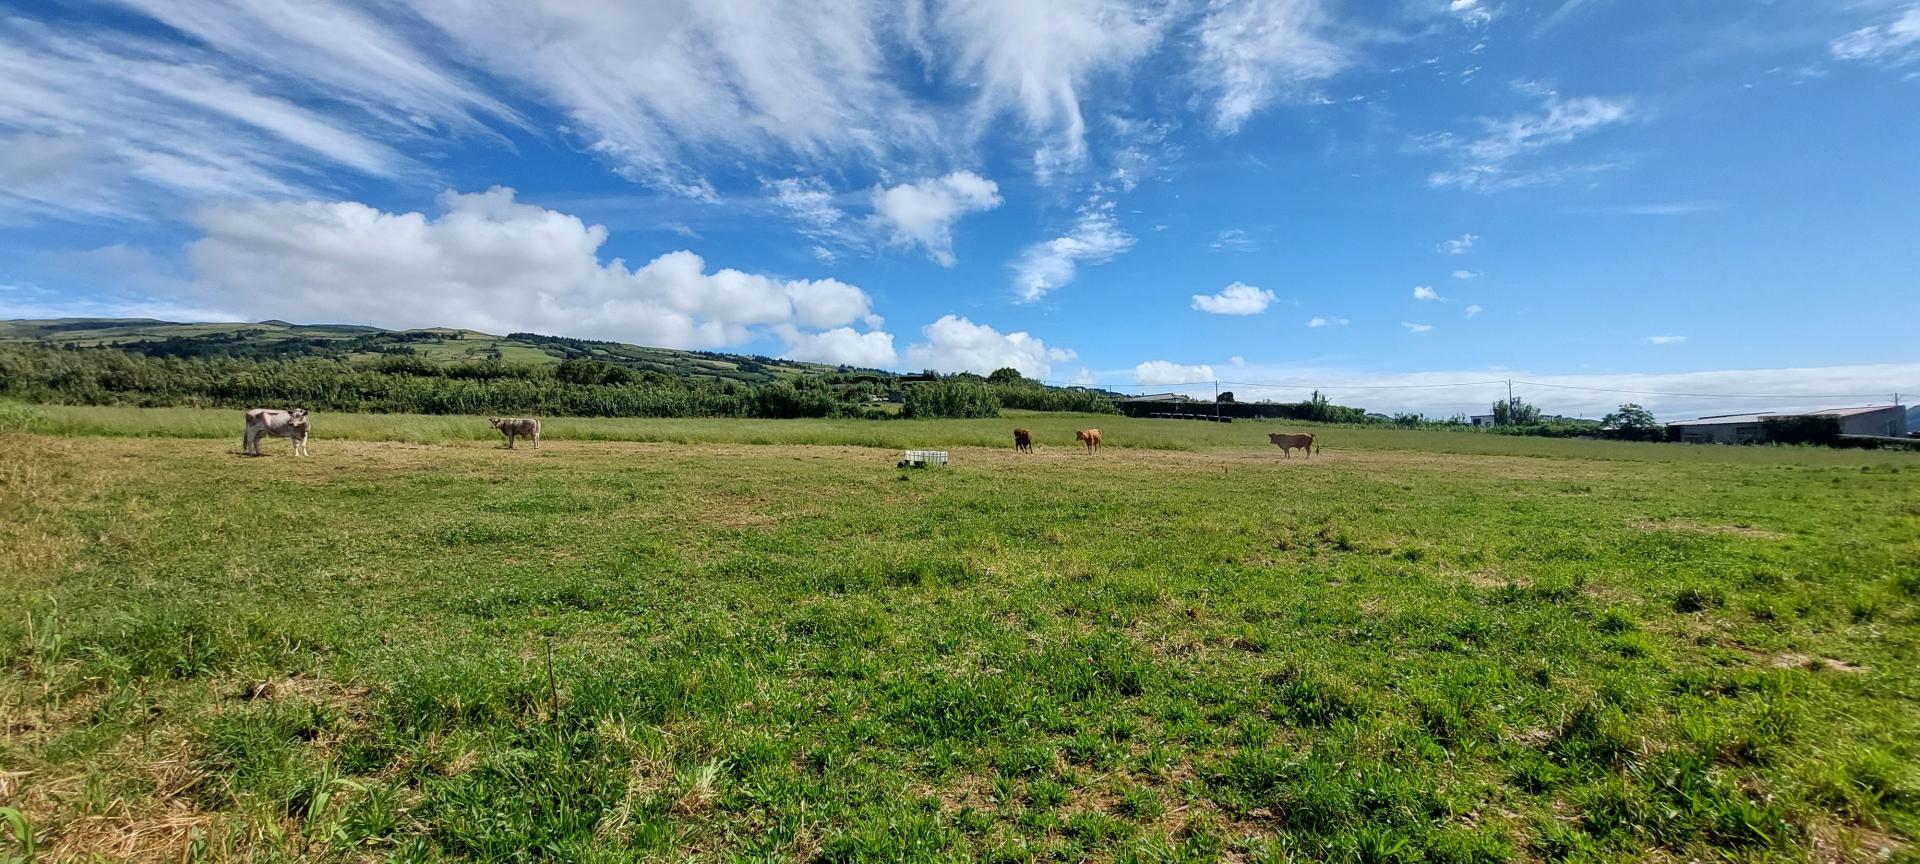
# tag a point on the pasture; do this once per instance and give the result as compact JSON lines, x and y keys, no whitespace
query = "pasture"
{"x":759,"y":641}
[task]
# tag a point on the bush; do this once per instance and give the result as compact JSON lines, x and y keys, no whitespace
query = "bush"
{"x":1800,"y":430}
{"x":951,"y":397}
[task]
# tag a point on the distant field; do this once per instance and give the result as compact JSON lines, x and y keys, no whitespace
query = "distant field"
{"x":1416,"y":646}
{"x":1050,"y":430}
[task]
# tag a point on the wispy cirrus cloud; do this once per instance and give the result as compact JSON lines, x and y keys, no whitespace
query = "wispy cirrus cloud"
{"x":1895,"y":42}
{"x":98,"y":125}
{"x":1506,"y":153}
{"x":1667,"y":340}
{"x":1460,"y":245}
{"x":1255,"y":52}
{"x":1094,"y":238}
{"x":1417,"y":328}
{"x":1318,"y":321}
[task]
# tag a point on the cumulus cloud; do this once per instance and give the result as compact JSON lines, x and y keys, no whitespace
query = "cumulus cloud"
{"x":1161,"y":372}
{"x":1236,"y":299}
{"x":1460,"y":245}
{"x":490,"y":263}
{"x":922,"y":214}
{"x":1253,"y":52}
{"x":1894,"y":43}
{"x":844,"y":346}
{"x":955,"y":344}
{"x":1667,"y":340}
{"x":1423,"y":293}
{"x":1417,"y":328}
{"x":1326,"y":321}
{"x":1095,"y":238}
{"x":1504,"y":156}
{"x":1474,"y":310}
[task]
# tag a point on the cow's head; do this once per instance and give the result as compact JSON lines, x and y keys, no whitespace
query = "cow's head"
{"x":495,"y":421}
{"x":297,"y":417}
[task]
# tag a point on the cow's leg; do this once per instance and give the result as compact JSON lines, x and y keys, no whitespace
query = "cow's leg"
{"x":250,"y":443}
{"x":536,"y":440}
{"x":509,"y":440}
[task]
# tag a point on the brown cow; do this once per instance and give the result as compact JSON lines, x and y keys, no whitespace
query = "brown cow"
{"x":1022,"y":441}
{"x":1286,"y":443}
{"x":1091,"y":437}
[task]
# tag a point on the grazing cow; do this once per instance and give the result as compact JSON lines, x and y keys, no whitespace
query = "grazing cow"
{"x":1286,"y":443}
{"x":514,"y":426}
{"x":1022,"y":441}
{"x":279,"y":424}
{"x":1091,"y":437}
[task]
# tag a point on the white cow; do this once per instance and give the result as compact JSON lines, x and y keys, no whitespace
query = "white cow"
{"x":517,"y":426}
{"x":279,"y":424}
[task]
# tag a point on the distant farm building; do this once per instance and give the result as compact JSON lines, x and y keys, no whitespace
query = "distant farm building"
{"x":1884,"y":421}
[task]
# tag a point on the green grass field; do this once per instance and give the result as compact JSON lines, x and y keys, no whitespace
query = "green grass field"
{"x":759,"y":641}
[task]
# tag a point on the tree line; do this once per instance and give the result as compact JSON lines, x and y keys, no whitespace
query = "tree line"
{"x":579,"y":387}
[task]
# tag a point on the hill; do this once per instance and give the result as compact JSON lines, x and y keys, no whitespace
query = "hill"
{"x":280,"y":340}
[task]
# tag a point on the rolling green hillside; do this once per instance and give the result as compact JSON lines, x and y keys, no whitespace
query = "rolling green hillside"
{"x":279,"y":340}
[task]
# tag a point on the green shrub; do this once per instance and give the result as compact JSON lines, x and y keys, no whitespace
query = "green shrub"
{"x":950,"y":397}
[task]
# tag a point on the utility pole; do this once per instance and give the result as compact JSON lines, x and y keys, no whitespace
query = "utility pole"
{"x":1216,"y":401}
{"x":1509,"y":392}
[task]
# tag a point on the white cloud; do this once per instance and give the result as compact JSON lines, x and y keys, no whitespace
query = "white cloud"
{"x":1417,"y":328}
{"x":1895,"y":43}
{"x":1500,"y":158}
{"x":1162,"y":372}
{"x":810,"y":201}
{"x":1465,"y":274}
{"x":489,"y":263}
{"x":1667,"y":340}
{"x":843,"y":346}
{"x":1233,"y":240}
{"x":1236,"y":299}
{"x":1424,"y":293}
{"x":1326,"y":321}
{"x":1472,"y":12}
{"x":1460,"y":245}
{"x":1094,"y":239}
{"x":922,"y":214}
{"x":1253,"y":52}
{"x":1034,"y":59}
{"x":647,"y":85}
{"x":955,"y":344}
{"x":1474,"y":310}
{"x":100,"y":128}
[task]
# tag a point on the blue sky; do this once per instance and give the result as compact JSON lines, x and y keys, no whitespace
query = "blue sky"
{"x":1685,"y":197}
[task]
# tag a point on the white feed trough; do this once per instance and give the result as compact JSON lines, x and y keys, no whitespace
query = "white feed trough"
{"x":924,"y":459}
